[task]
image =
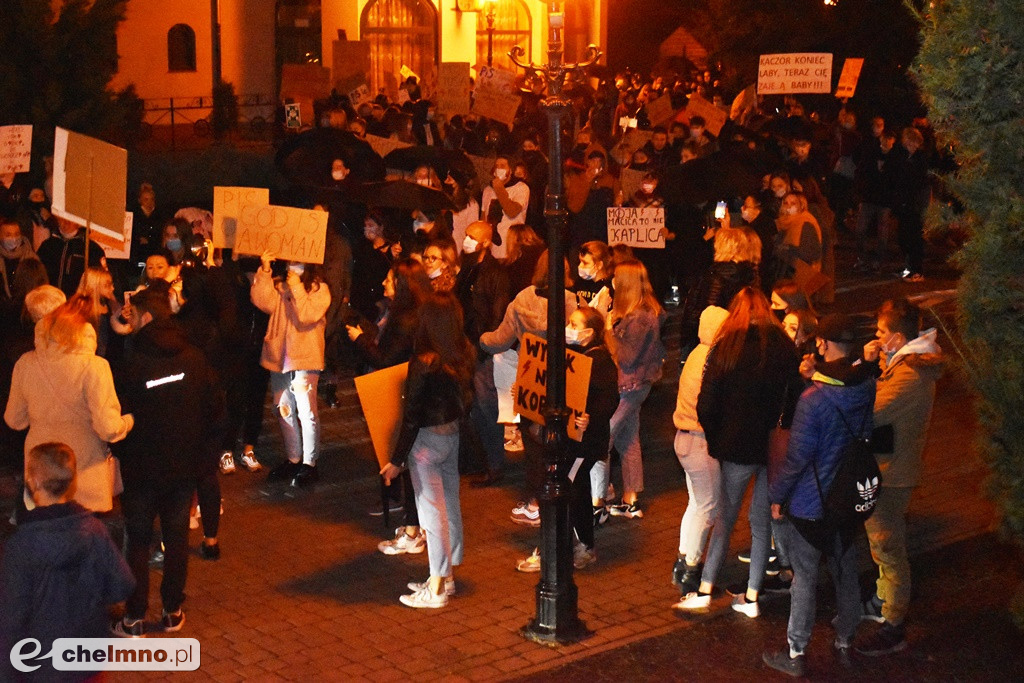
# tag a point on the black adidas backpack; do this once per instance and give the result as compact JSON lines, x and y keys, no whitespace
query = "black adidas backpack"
{"x":854,"y":491}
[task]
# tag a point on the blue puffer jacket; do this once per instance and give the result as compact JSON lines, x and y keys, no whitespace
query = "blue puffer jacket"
{"x":819,"y":435}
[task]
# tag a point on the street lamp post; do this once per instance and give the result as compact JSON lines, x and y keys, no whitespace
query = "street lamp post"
{"x":490,"y":32}
{"x":557,"y":619}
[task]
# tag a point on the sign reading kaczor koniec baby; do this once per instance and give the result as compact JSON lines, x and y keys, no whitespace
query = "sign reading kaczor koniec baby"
{"x":794,"y":73}
{"x":643,"y":228}
{"x":531,"y":393}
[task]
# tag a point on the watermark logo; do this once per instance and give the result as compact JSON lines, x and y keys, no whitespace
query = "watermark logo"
{"x":108,"y":654}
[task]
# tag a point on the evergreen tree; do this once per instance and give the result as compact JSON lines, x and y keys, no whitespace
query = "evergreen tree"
{"x":55,"y":66}
{"x":971,"y":72}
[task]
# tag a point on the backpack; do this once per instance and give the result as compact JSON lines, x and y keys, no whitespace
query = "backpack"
{"x":854,"y":491}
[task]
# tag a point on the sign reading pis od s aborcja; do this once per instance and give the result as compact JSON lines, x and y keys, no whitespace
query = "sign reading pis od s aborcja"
{"x":531,"y":391}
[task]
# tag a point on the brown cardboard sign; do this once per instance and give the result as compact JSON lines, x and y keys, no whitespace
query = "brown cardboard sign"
{"x":382,"y":397}
{"x":714,"y":118}
{"x":290,"y":234}
{"x":530,"y":389}
{"x":90,"y":178}
{"x":453,"y":88}
{"x":228,"y":204}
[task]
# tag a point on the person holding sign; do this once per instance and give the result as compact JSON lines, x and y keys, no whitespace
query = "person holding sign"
{"x":293,"y":351}
{"x":437,"y":395}
{"x":634,"y":337}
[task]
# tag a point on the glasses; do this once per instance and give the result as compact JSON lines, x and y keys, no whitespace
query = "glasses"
{"x":430,"y":259}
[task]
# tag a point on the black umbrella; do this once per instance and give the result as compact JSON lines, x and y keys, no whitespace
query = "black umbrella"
{"x":401,"y":194}
{"x":443,"y":161}
{"x":714,"y":177}
{"x":306,"y":158}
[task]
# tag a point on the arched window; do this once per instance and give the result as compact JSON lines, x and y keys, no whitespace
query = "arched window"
{"x":400,"y":33}
{"x":511,"y":27}
{"x":181,"y":48}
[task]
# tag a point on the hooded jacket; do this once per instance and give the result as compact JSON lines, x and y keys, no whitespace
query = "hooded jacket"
{"x":65,"y":260}
{"x":685,"y":415}
{"x":906,"y":393}
{"x":528,"y":312}
{"x":295,"y":334}
{"x":60,"y":572}
{"x":172,"y":391}
{"x":827,"y":418}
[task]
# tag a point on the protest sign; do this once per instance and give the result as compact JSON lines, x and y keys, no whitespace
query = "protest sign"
{"x":714,"y":118}
{"x":744,"y":104}
{"x":384,"y":145}
{"x":629,"y":181}
{"x":360,"y":95}
{"x":496,"y":95}
{"x":484,"y":169}
{"x":228,"y":205}
{"x":453,"y":88}
{"x":531,"y":382}
{"x":289,"y":234}
{"x":113,"y":248}
{"x":849,"y":77}
{"x":408,"y":73}
{"x":636,"y":227}
{"x":793,"y":73}
{"x":293,"y":115}
{"x":15,"y":149}
{"x":381,"y":397}
{"x":659,"y":111}
{"x":90,"y":178}
{"x":632,"y":141}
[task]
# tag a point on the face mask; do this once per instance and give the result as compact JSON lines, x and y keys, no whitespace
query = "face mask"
{"x":173,"y":244}
{"x":748,"y":215}
{"x":434,"y":274}
{"x":647,"y":188}
{"x":419,"y":226}
{"x":501,"y":174}
{"x":425,"y":182}
{"x":370,"y":234}
{"x":578,"y":337}
{"x":891,"y":344}
{"x":37,"y":206}
{"x":469,"y":245}
{"x":696,"y":132}
{"x":297,"y":268}
{"x":779,"y":193}
{"x":585,"y":273}
{"x":790,"y":211}
{"x":338,"y":175}
{"x":779,"y":313}
{"x":11,"y":243}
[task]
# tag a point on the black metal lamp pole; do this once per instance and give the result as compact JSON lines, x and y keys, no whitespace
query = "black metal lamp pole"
{"x":557,"y":619}
{"x":490,"y":33}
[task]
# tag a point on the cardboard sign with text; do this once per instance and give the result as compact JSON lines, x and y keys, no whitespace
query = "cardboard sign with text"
{"x":293,"y":115}
{"x":714,"y":117}
{"x":90,"y":178}
{"x":229,"y":203}
{"x":636,"y":227}
{"x":629,"y":181}
{"x":15,"y":149}
{"x":290,"y":234}
{"x":382,"y":397}
{"x":531,"y":382}
{"x":497,"y":97}
{"x":849,"y":77}
{"x":360,"y":95}
{"x":660,"y":111}
{"x":453,"y":88}
{"x":794,"y":73}
{"x":117,"y":249}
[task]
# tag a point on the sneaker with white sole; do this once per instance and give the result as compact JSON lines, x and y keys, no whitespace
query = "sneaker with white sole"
{"x":424,"y":599}
{"x":582,"y":556}
{"x":250,"y":462}
{"x":128,"y":628}
{"x":515,"y":444}
{"x":526,"y":515}
{"x":871,"y":610}
{"x":627,"y":510}
{"x":173,"y":621}
{"x":227,"y":463}
{"x":694,"y":602}
{"x":601,"y":515}
{"x":746,"y":607}
{"x":403,"y":543}
{"x":417,"y":586}
{"x":530,"y":564}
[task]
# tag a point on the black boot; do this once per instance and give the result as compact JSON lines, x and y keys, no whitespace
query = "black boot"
{"x":686,"y":577}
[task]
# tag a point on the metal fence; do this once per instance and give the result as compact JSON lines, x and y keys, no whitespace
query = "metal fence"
{"x":179,"y":120}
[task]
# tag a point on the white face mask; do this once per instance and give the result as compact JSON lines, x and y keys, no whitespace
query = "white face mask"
{"x":419,"y":226}
{"x":469,"y":245}
{"x":647,"y":188}
{"x":578,"y":337}
{"x":11,"y":243}
{"x":338,"y":175}
{"x":585,"y":273}
{"x":748,"y":214}
{"x":425,"y":182}
{"x":501,"y":174}
{"x":780,"y":193}
{"x":434,"y":274}
{"x":790,"y":211}
{"x":297,"y":268}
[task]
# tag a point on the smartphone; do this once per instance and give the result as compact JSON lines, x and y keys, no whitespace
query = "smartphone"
{"x":720,"y":211}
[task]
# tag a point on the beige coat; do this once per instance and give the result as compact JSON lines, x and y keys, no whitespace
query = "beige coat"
{"x":295,"y":334}
{"x":69,"y":397}
{"x":904,"y":397}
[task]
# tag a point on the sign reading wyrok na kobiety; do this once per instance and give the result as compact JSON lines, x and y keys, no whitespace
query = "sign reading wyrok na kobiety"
{"x":636,"y":227}
{"x":90,"y":178}
{"x":794,"y":73}
{"x":289,"y":234}
{"x":15,"y":149}
{"x":531,"y":382}
{"x":228,"y":204}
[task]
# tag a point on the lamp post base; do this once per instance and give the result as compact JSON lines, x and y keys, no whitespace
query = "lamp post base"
{"x":553,"y":636}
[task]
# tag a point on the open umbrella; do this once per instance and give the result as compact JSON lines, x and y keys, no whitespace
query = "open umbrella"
{"x":401,"y":194}
{"x":306,"y":158}
{"x":443,"y":161}
{"x":714,"y":177}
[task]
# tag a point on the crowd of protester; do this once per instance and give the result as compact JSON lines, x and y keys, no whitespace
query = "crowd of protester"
{"x":145,"y":379}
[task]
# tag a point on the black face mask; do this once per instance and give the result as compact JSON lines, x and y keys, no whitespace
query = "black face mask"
{"x":780,"y":313}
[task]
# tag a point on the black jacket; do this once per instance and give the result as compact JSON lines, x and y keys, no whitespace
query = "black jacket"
{"x":738,"y":407}
{"x":392,"y":345}
{"x":716,"y":287}
{"x":65,"y":260}
{"x":483,"y":290}
{"x":171,"y":390}
{"x":602,"y":400}
{"x":432,"y":397}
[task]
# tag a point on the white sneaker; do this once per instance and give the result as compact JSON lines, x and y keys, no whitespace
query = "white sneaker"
{"x":402,"y":543}
{"x":250,"y":462}
{"x":694,"y":602}
{"x":515,"y":444}
{"x":449,"y":586}
{"x":744,"y":606}
{"x":526,"y":515}
{"x":530,"y":564}
{"x":227,"y":463}
{"x":582,"y":556}
{"x":424,"y":599}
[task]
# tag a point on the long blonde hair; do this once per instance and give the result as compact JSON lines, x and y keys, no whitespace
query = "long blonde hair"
{"x":92,"y":281}
{"x":633,"y":290}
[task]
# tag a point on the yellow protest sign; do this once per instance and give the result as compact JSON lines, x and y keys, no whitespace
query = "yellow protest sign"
{"x":659,"y":111}
{"x":228,"y":204}
{"x":531,"y":383}
{"x":289,"y":234}
{"x":15,"y":149}
{"x":794,"y":73}
{"x":496,"y":95}
{"x":849,"y":77}
{"x":381,"y":395}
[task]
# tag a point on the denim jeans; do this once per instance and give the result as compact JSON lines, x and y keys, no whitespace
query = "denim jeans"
{"x":295,"y":397}
{"x":484,"y":414}
{"x":734,"y":484}
{"x":842,"y":562}
{"x":703,"y":480}
{"x":625,"y":438}
{"x":434,"y":466}
{"x":141,"y":505}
